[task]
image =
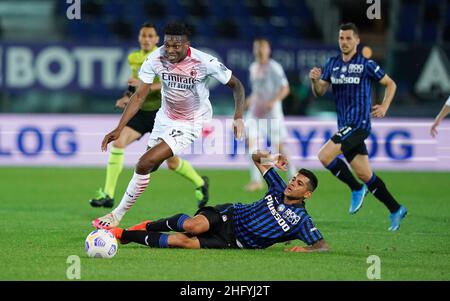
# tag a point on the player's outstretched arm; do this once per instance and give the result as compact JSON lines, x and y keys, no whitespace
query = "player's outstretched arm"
{"x":135,"y":103}
{"x":319,"y":86}
{"x":380,"y":110}
{"x":442,"y":114}
{"x":264,"y":160}
{"x":122,"y":102}
{"x":320,"y":246}
{"x":239,"y":103}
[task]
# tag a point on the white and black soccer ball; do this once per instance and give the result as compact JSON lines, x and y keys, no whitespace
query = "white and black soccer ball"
{"x":100,"y":244}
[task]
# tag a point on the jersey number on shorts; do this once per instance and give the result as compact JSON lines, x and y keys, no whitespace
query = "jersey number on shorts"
{"x":344,"y":131}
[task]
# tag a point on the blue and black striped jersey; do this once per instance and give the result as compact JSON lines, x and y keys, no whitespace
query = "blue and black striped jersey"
{"x":270,"y":220}
{"x":351,"y":83}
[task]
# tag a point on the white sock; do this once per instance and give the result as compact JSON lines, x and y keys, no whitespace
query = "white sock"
{"x":136,"y":186}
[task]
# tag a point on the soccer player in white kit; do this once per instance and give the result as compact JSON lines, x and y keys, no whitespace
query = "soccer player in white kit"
{"x":265,"y":118}
{"x":184,"y":73}
{"x":444,"y":112}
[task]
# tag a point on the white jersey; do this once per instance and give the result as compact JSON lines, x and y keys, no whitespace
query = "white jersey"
{"x":447,"y":103}
{"x":185,"y":95}
{"x":266,"y":81}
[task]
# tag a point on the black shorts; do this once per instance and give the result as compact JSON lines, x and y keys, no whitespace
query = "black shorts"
{"x":143,"y":121}
{"x":221,"y":229}
{"x":352,"y":142}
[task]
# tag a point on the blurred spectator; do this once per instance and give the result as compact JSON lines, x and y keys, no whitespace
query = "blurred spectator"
{"x":227,"y":29}
{"x":155,"y":10}
{"x":122,"y":29}
{"x":91,"y":8}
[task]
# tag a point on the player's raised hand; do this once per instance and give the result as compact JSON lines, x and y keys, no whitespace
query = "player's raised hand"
{"x":121,"y":103}
{"x":239,"y":129}
{"x":281,"y":162}
{"x":111,"y":136}
{"x":379,"y":111}
{"x":433,"y":130}
{"x":315,"y":73}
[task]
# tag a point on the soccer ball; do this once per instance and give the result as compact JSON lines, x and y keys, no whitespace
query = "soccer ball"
{"x":100,"y":243}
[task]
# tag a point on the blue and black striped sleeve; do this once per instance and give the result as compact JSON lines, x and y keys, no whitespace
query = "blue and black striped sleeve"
{"x":309,"y":233}
{"x":326,"y":74}
{"x":274,"y":181}
{"x":374,"y":71}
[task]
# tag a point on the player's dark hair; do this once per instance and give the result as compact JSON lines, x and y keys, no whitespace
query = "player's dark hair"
{"x":148,"y":25}
{"x":313,"y":181}
{"x":177,"y":29}
{"x":261,"y":39}
{"x":350,"y":26}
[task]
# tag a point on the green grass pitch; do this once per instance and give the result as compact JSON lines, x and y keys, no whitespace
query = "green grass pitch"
{"x":45,"y":217}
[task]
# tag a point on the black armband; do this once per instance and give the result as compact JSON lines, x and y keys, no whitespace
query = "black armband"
{"x":130,"y":91}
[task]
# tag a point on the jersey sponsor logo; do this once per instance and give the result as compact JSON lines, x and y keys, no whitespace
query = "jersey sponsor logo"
{"x":178,"y":81}
{"x":355,"y":68}
{"x":281,"y":222}
{"x":291,"y":217}
{"x":345,"y":80}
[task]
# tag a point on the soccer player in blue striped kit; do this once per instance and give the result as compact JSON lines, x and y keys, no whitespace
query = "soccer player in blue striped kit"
{"x":278,"y":217}
{"x":351,"y":76}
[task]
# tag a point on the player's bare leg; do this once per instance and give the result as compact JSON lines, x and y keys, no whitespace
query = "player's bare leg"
{"x":360,"y":165}
{"x":149,"y":162}
{"x":105,"y":196}
{"x":197,"y":225}
{"x":180,"y":223}
{"x":185,"y":169}
{"x":180,"y":240}
{"x":328,"y":152}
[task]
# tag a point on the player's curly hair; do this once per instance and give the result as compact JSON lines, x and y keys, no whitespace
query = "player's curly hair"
{"x":177,"y":29}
